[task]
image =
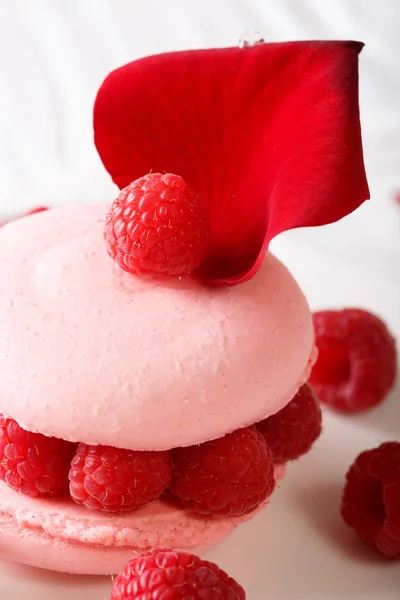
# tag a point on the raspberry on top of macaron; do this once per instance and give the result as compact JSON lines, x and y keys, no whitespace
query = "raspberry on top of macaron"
{"x":166,"y":380}
{"x":218,"y":151}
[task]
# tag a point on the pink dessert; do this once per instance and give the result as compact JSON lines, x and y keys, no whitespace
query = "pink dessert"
{"x":179,"y":375}
{"x":181,"y":367}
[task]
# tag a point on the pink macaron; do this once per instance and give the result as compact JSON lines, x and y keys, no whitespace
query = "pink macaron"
{"x":96,"y":355}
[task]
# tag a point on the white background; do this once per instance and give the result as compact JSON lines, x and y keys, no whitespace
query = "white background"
{"x":54,"y":54}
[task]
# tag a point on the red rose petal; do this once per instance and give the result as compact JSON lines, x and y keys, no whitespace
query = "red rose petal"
{"x":268,"y":136}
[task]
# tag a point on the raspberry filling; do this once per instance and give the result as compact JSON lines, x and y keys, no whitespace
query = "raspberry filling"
{"x":229,"y":476}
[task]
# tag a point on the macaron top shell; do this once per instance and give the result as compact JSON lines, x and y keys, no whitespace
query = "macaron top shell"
{"x":91,"y":353}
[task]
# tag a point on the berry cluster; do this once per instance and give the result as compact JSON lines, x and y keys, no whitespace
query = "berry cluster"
{"x":229,"y":476}
{"x":355,"y":370}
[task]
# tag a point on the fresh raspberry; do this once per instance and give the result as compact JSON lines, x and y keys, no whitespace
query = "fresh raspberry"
{"x":157,"y":225}
{"x":371,"y":498}
{"x":32,"y":463}
{"x":174,"y":575}
{"x":356,"y":366}
{"x":291,"y":432}
{"x":229,"y":476}
{"x":116,"y":480}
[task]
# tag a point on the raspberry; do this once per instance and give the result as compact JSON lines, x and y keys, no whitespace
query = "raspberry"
{"x":229,"y":476}
{"x":116,"y":480}
{"x":356,"y":366}
{"x":371,"y":498}
{"x":158,"y":226}
{"x":32,"y":463}
{"x":292,"y":431}
{"x":173,"y":575}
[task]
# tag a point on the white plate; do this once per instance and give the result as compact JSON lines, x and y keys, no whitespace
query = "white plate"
{"x":298,"y":549}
